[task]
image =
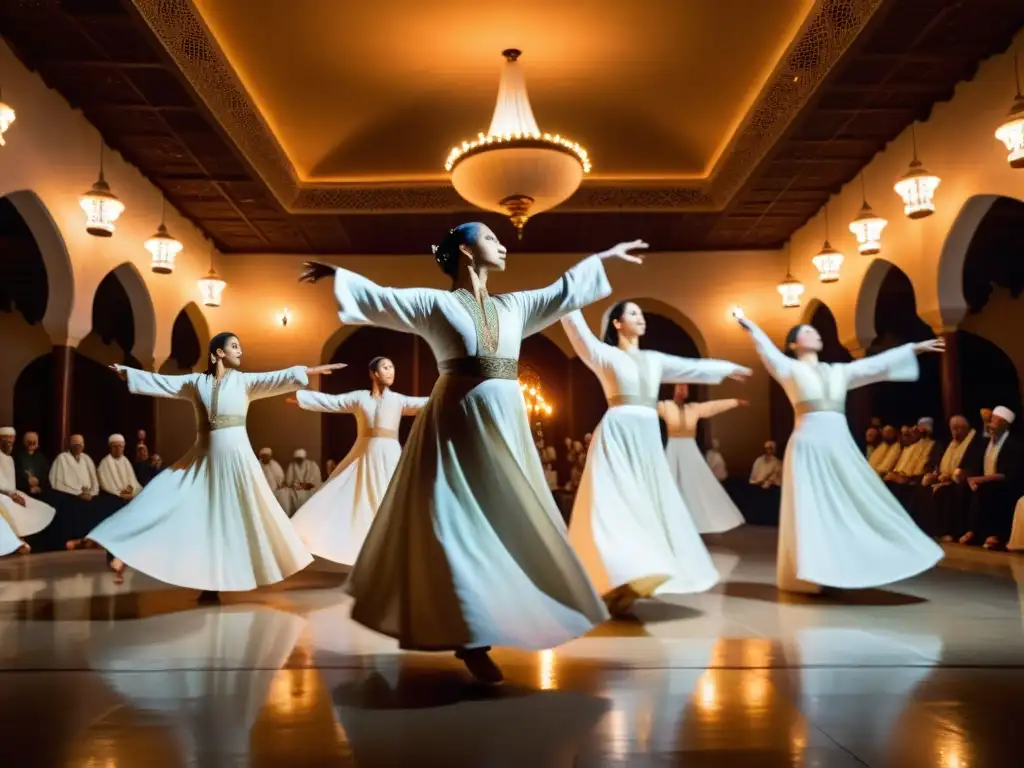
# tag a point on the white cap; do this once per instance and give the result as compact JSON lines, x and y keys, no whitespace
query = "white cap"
{"x":7,"y":432}
{"x":926,"y":421}
{"x":115,"y":438}
{"x":1004,"y":413}
{"x":300,"y":453}
{"x":266,"y":452}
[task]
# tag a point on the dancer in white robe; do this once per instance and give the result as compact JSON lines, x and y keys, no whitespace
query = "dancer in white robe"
{"x":629,"y":524}
{"x":712,"y":509}
{"x":839,"y":525}
{"x":301,"y":480}
{"x":335,"y":521}
{"x":20,"y":515}
{"x":468,"y":548}
{"x":210,"y":522}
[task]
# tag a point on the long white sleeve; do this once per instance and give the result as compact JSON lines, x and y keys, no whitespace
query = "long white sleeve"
{"x":158,"y":384}
{"x":8,"y":474}
{"x":363,"y":302}
{"x":898,"y":364}
{"x":322,"y":402}
{"x":779,"y":365}
{"x":583,"y":284}
{"x":591,"y":350}
{"x":687,"y":370}
{"x":713,"y":407}
{"x":272,"y":383}
{"x":413,"y":405}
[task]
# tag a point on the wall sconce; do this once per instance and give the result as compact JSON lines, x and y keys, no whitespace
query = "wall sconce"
{"x":283,"y":317}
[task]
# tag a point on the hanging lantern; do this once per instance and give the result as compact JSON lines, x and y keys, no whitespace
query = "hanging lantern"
{"x":1011,"y":132}
{"x":211,"y":287}
{"x":867,"y":227}
{"x":162,"y":247}
{"x":101,"y":206}
{"x":6,"y":118}
{"x":828,"y":263}
{"x":791,"y":290}
{"x":917,"y":187}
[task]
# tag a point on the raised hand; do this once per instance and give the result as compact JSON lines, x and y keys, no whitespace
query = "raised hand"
{"x":624,"y":251}
{"x":741,"y":374}
{"x":743,"y":403}
{"x":315,"y":271}
{"x":119,"y":370}
{"x":932,"y":345}
{"x":291,"y":401}
{"x":325,"y":370}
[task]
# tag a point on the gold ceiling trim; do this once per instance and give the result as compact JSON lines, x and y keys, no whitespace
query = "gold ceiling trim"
{"x":828,"y":32}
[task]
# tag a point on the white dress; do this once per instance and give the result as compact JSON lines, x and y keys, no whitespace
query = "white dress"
{"x":210,"y":522}
{"x":629,"y":524}
{"x":839,"y":525}
{"x":334,"y":522}
{"x":15,"y":520}
{"x":712,"y":509}
{"x":468,"y":548}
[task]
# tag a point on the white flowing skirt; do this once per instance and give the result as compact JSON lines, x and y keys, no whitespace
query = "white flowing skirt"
{"x":209,"y":522}
{"x":712,"y":509}
{"x":468,"y":548}
{"x":334,"y":522}
{"x":32,"y":518}
{"x":9,"y":540}
{"x":629,"y":523}
{"x":839,"y":525}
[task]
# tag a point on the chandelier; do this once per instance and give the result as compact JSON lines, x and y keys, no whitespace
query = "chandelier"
{"x":867,"y":226}
{"x":514,"y":168}
{"x":1011,"y":132}
{"x":917,"y":186}
{"x":530,"y":386}
{"x":211,"y":287}
{"x":101,"y":206}
{"x":829,"y":261}
{"x":162,"y":247}
{"x":790,"y":288}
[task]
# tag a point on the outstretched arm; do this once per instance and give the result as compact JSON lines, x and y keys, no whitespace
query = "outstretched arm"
{"x":779,"y":365}
{"x":154,"y":384}
{"x":715,"y":407}
{"x":591,"y":350}
{"x":413,"y":405}
{"x":272,"y":383}
{"x":688,"y":370}
{"x":321,"y":402}
{"x":897,"y":364}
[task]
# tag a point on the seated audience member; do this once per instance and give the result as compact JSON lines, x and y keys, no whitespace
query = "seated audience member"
{"x":767,"y":470}
{"x":271,"y":469}
{"x":716,"y":461}
{"x":876,"y":422}
{"x":33,"y":470}
{"x":141,"y":466}
{"x":156,"y":462}
{"x":994,"y":493}
{"x":918,"y":458}
{"x":944,"y":489}
{"x":24,"y":514}
{"x":759,"y":499}
{"x":885,"y":456}
{"x":300,"y":482}
{"x":551,"y":476}
{"x":329,"y":468}
{"x":986,"y":421}
{"x":118,"y":483}
{"x":872,"y":439}
{"x":75,"y":486}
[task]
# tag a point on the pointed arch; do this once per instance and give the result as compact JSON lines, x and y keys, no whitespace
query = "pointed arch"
{"x":143,"y":312}
{"x":198,"y":319}
{"x":867,"y":301}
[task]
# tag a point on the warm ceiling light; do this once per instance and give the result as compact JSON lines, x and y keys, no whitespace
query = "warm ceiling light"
{"x":829,"y":261}
{"x":211,"y":287}
{"x":1011,"y":132}
{"x":867,"y":226}
{"x":917,"y":187}
{"x":514,"y":168}
{"x":162,"y":247}
{"x":6,"y":118}
{"x":101,"y":206}
{"x":790,"y":288}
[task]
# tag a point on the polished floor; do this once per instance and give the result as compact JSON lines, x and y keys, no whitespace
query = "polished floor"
{"x":929,"y":672}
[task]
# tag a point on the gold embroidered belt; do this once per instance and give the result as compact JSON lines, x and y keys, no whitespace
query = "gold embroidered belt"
{"x":222,"y":422}
{"x":818,"y":406}
{"x":480,"y":367}
{"x":381,"y":432}
{"x":647,"y":402}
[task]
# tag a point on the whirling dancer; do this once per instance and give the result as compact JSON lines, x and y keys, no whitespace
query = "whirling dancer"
{"x":712,"y":509}
{"x":211,"y":521}
{"x":20,"y":515}
{"x":629,"y":525}
{"x":839,"y":525}
{"x":468,"y":549}
{"x":334,"y":522}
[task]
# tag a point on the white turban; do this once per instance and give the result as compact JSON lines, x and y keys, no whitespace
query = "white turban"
{"x":7,"y":432}
{"x":1004,"y":413}
{"x":115,"y":438}
{"x":926,"y":421}
{"x":300,"y":453}
{"x":266,"y":452}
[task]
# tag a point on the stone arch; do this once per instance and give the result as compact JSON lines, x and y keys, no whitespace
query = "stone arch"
{"x":59,"y":273}
{"x":199,"y":324}
{"x":143,"y":311}
{"x":664,"y":309}
{"x":334,"y":341}
{"x":867,"y":301}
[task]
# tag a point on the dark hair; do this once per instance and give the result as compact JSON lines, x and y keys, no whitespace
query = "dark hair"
{"x":217,"y":342}
{"x":375,"y":363}
{"x":446,"y":253}
{"x":611,"y":333}
{"x":791,"y":339}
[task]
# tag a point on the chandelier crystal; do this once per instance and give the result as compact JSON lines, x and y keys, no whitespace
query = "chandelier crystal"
{"x":1011,"y":132}
{"x":917,"y":187}
{"x":102,"y":207}
{"x":515,"y":168}
{"x":163,"y":248}
{"x":211,"y":287}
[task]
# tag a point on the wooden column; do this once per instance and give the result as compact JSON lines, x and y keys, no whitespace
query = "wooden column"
{"x":952,"y":397}
{"x":63,"y":375}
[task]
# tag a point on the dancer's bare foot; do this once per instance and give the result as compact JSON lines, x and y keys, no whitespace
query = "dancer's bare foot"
{"x":24,"y":549}
{"x":480,"y":665}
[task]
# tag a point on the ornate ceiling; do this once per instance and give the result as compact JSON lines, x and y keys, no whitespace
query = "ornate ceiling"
{"x":320,"y":127}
